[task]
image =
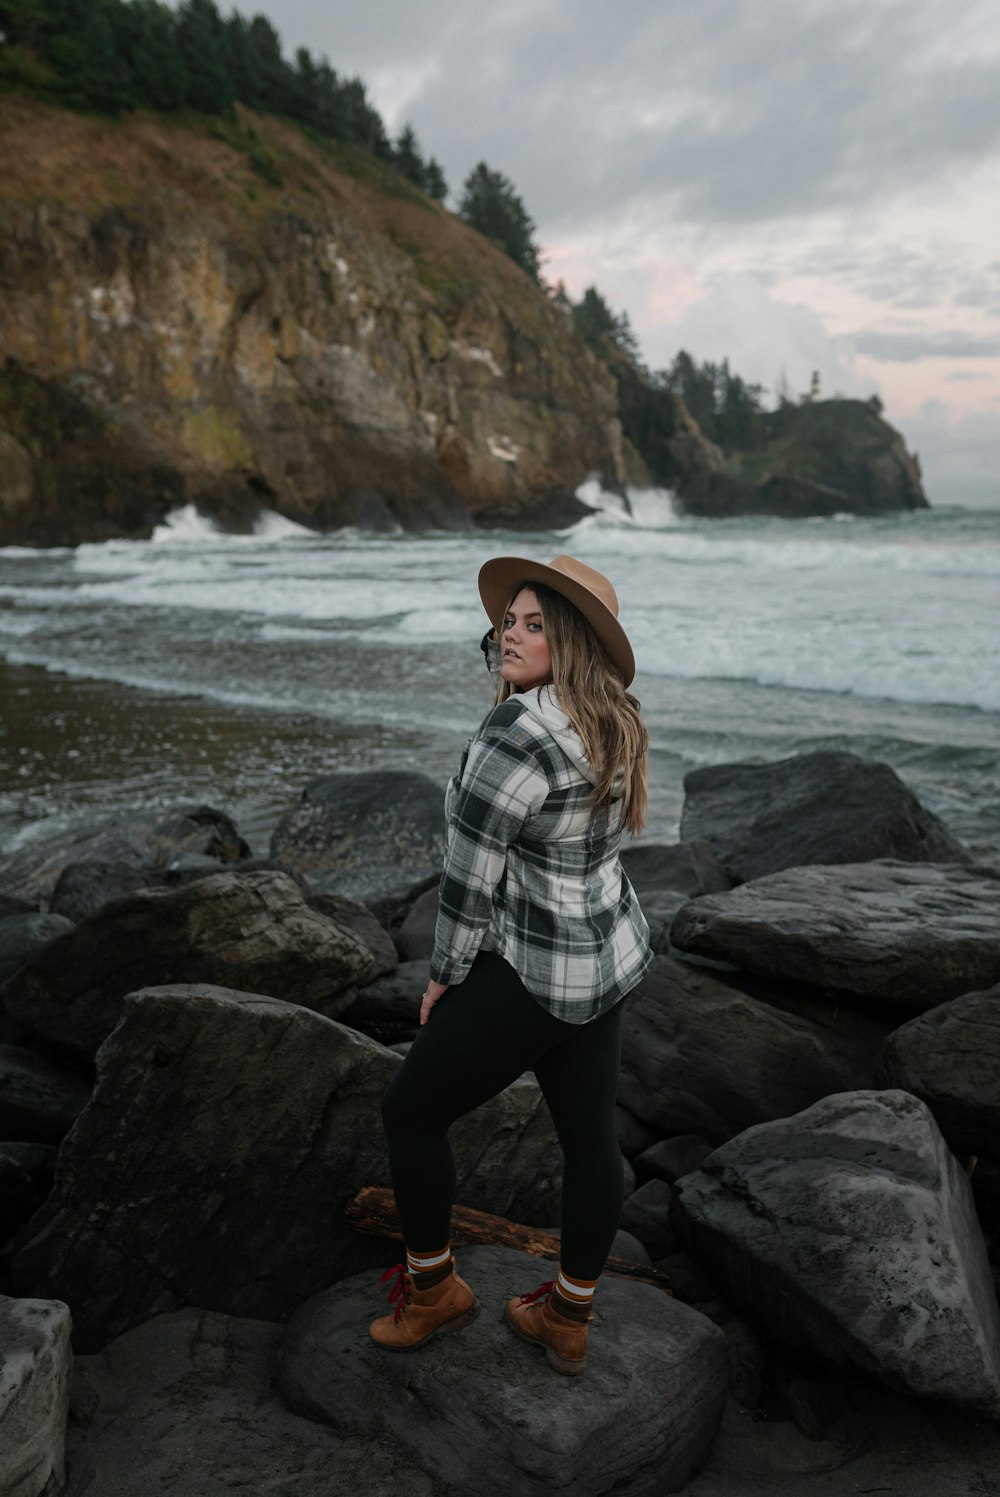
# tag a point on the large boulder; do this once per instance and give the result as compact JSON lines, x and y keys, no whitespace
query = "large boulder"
{"x":950,"y":1058}
{"x":825,"y":807}
{"x":373,"y":835}
{"x":211,"y":1167}
{"x":253,"y":931}
{"x":849,"y":1230}
{"x":156,"y":838}
{"x":22,"y":935}
{"x":389,"y":1009}
{"x":35,"y":1367}
{"x":488,"y":1416}
{"x":85,"y":886}
{"x":689,"y":868}
{"x":39,"y":1100}
{"x":185,"y":1404}
{"x":698,"y":1056}
{"x":907,"y":934}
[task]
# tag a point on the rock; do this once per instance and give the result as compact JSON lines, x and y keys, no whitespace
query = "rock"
{"x":359,"y":918}
{"x":211,"y":1167}
{"x":253,"y":930}
{"x":10,"y":905}
{"x":682,"y":867}
{"x":371,"y":835}
{"x":39,"y":1160}
{"x":907,"y":934}
{"x":389,"y":1009}
{"x":156,"y":837}
{"x":492,"y":1417}
{"x":633,"y":1135}
{"x":698,"y":1056}
{"x":849,"y":1230}
{"x":659,"y":910}
{"x":646,"y":1213}
{"x":35,"y":1368}
{"x":415,"y":938}
{"x":22,"y":935}
{"x":670,"y":1158}
{"x":18,"y":1196}
{"x":950,"y":1058}
{"x":825,"y":807}
{"x":84,"y":887}
{"x":39,"y":1100}
{"x":186,"y":1403}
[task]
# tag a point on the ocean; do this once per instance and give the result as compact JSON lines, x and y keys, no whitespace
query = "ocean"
{"x":232,"y":670}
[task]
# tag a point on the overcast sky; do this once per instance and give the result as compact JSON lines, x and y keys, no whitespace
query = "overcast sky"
{"x":794,"y":184}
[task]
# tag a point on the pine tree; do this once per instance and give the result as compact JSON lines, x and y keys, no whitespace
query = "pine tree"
{"x":98,"y":76}
{"x":595,"y":321}
{"x":406,"y":157}
{"x":435,"y":185}
{"x":202,"y":43}
{"x":491,"y":205}
{"x":152,"y":54}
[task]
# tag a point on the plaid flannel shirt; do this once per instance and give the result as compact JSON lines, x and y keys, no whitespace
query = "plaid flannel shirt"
{"x":529,"y":875}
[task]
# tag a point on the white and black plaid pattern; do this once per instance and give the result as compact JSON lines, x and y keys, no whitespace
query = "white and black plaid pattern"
{"x":529,"y":875}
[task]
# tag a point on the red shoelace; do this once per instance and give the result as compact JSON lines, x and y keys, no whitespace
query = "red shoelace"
{"x":399,"y":1292}
{"x":537,"y":1295}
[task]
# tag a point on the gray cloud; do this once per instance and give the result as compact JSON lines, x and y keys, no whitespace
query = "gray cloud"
{"x":904,"y":348}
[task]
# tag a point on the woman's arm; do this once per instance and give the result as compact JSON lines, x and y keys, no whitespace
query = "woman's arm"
{"x":502,"y":782}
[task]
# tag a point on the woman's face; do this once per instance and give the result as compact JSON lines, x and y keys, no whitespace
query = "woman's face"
{"x":525,"y":659}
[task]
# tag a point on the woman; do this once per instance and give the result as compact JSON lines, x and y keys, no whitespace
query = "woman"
{"x":538,"y":938}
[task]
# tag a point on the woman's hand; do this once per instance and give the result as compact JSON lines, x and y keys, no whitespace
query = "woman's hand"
{"x":431,"y":995}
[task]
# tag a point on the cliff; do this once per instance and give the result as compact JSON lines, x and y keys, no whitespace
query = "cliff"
{"x":820,"y":458}
{"x":230,"y":315}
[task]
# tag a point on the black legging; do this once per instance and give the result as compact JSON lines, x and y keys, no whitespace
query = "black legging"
{"x":483,"y":1034}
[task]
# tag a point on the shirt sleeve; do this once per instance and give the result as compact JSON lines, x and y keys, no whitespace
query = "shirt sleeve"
{"x":501,"y":782}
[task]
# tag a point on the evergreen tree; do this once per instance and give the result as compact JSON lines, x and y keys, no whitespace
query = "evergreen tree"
{"x":406,"y":157}
{"x":435,"y":185}
{"x":149,"y":43}
{"x":202,"y":43}
{"x":595,"y":321}
{"x":96,"y":75}
{"x":491,"y":205}
{"x":332,"y":113}
{"x":247,"y":80}
{"x":266,"y":61}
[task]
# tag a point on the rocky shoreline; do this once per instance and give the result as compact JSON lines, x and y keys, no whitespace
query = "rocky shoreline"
{"x":192,"y":1046}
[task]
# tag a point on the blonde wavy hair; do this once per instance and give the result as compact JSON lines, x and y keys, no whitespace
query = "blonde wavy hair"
{"x":593,"y":696}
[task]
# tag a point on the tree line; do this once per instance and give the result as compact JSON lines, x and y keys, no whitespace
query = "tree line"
{"x":116,"y":55}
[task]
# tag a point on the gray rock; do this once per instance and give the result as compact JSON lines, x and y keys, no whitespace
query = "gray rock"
{"x":670,"y":1158}
{"x":698,"y":1056}
{"x":35,"y":1368}
{"x":212,"y":1165}
{"x":825,"y":807}
{"x":84,"y":887}
{"x":659,"y":910}
{"x":415,"y":938}
{"x":849,"y":1230}
{"x":488,"y":1414}
{"x":359,"y":918}
{"x":906,"y":934}
{"x":156,"y":837}
{"x":186,"y":1404}
{"x":950,"y":1058}
{"x":647,"y":1213}
{"x":19,"y":1197}
{"x":680,"y":867}
{"x":11,"y":905}
{"x":39,"y":1100}
{"x":389,"y":1009}
{"x":22,"y":935}
{"x":371,"y":835}
{"x":633,"y":1135}
{"x":254,"y":931}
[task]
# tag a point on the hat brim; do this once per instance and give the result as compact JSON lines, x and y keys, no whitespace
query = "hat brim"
{"x":499,"y":577}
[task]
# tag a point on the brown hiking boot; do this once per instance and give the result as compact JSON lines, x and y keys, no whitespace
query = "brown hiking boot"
{"x":533,"y":1317}
{"x":419,"y":1313}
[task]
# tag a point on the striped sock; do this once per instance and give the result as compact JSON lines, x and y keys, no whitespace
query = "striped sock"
{"x":428,"y":1269}
{"x":572,"y":1297}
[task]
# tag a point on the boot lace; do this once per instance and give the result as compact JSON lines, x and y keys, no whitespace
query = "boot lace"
{"x":538,"y":1295}
{"x":399,"y":1290}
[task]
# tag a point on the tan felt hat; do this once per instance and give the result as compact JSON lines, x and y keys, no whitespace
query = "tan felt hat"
{"x":590,"y":591}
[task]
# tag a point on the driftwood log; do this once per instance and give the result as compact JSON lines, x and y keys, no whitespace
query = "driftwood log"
{"x":373,"y":1210}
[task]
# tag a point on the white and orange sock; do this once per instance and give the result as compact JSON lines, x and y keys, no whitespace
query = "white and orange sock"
{"x":428,"y":1269}
{"x":572,"y":1297}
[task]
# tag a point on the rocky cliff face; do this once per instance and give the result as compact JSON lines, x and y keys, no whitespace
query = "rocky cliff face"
{"x":326,"y":342}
